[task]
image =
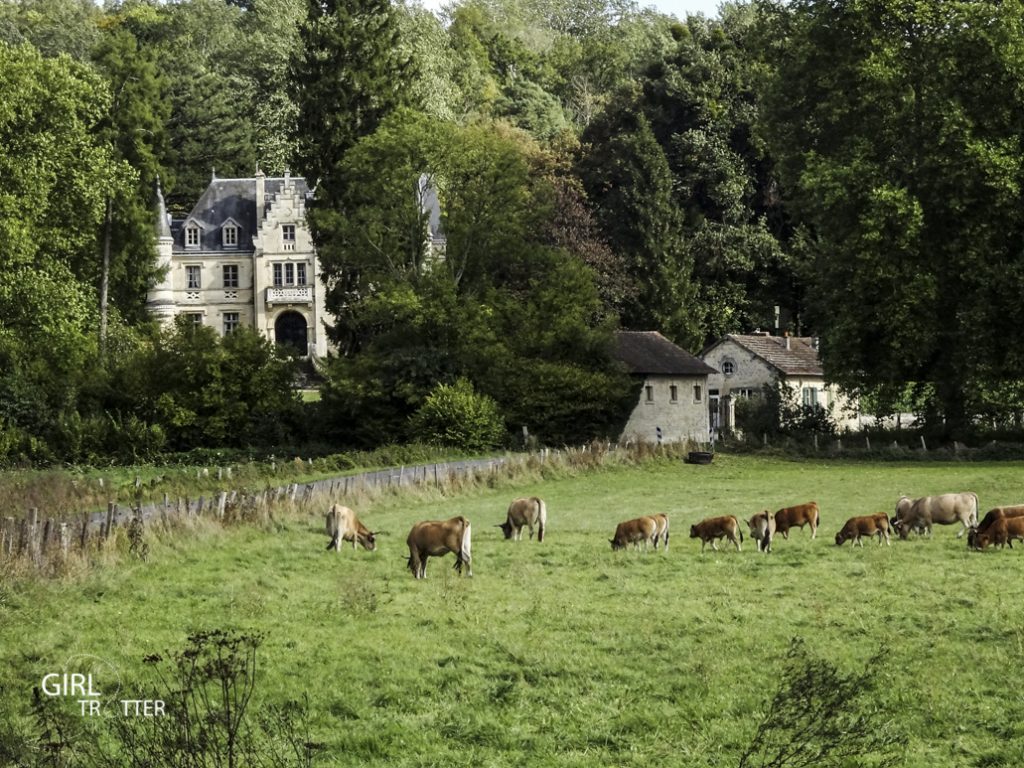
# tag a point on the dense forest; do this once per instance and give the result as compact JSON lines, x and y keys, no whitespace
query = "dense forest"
{"x":850,"y":170}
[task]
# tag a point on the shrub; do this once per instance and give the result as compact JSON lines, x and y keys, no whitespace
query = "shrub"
{"x":456,"y":415}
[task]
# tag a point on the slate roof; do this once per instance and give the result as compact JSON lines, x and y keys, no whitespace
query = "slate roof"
{"x":648,"y":352}
{"x":800,"y":359}
{"x":230,"y":199}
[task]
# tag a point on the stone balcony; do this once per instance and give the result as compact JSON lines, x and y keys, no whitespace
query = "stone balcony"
{"x":290,"y":294}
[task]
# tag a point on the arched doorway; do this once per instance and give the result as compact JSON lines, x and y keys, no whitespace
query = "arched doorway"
{"x":290,"y":331}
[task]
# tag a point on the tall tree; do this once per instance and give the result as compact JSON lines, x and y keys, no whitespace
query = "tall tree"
{"x":628,"y":181}
{"x":898,"y":127}
{"x":134,"y":128}
{"x":350,"y":72}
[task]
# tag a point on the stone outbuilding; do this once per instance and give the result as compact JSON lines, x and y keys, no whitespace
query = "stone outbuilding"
{"x":673,"y":399}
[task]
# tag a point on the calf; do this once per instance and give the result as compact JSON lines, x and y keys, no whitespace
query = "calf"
{"x":714,"y":528}
{"x":997,"y":513}
{"x":434,"y":538}
{"x":525,"y":513}
{"x":762,"y":529}
{"x":857,"y":528}
{"x":343,"y":525}
{"x":640,"y":529}
{"x":798,"y":517}
{"x":1002,"y":532}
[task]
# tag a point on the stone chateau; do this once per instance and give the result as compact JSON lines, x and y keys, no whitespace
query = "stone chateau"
{"x":244,"y":256}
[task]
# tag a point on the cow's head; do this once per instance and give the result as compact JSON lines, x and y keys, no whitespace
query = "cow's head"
{"x":617,"y":544}
{"x":982,"y":540}
{"x":841,"y":537}
{"x":367,"y":540}
{"x":506,"y":528}
{"x":693,"y":532}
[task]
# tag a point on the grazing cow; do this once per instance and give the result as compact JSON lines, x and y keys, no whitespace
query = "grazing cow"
{"x":525,"y":513}
{"x":946,"y":509}
{"x":661,"y":529}
{"x":714,"y":528}
{"x":1002,"y":531}
{"x":435,"y":538}
{"x":997,"y":513}
{"x":798,"y":517}
{"x":762,"y":529}
{"x":343,"y":525}
{"x":640,"y":529}
{"x":857,"y":528}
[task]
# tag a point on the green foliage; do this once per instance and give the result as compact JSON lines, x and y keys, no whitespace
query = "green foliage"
{"x":897,"y":129}
{"x":456,"y":415}
{"x":778,"y":412}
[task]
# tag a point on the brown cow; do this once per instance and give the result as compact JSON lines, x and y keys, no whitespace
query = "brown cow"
{"x":945,"y":509}
{"x":997,"y":513}
{"x":525,"y":513}
{"x":343,"y":525}
{"x":1002,"y":532}
{"x":640,"y":529}
{"x":762,"y":529}
{"x":857,"y":528}
{"x":714,"y":528}
{"x":661,"y":529}
{"x":435,"y":538}
{"x":798,"y":517}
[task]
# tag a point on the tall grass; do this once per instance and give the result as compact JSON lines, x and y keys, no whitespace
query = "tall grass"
{"x":565,"y":653}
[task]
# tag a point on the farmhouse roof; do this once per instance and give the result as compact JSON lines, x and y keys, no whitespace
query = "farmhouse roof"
{"x":648,"y":352}
{"x":791,"y":356}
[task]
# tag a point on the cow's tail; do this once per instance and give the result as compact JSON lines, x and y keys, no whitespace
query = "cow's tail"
{"x":542,"y":518}
{"x":466,"y":553}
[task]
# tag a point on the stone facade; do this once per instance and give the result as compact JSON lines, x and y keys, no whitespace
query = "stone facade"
{"x":746,"y":363}
{"x":244,"y":256}
{"x":673,"y":397}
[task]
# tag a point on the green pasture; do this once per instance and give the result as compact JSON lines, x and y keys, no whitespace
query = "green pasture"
{"x":565,"y":653}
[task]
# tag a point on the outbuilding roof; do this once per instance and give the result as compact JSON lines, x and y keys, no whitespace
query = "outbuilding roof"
{"x":790,"y":355}
{"x":648,"y":352}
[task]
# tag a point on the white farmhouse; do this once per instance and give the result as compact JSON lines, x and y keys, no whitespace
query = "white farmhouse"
{"x":244,"y":256}
{"x":746,"y":363}
{"x":673,"y":399}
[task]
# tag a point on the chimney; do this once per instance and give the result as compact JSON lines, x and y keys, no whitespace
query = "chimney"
{"x":261,"y":193}
{"x":787,"y":340}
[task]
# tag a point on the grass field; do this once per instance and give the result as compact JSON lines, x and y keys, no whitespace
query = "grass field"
{"x":565,"y":653}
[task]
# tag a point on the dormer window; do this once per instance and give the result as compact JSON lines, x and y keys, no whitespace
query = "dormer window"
{"x":230,"y":233}
{"x":191,"y":236}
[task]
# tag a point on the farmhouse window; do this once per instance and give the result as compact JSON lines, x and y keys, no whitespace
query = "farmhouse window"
{"x":728,"y":367}
{"x":288,"y":236}
{"x":649,"y":393}
{"x":231,"y":322}
{"x":192,"y":236}
{"x":673,"y":391}
{"x":697,"y":393}
{"x":810,"y":396}
{"x":194,"y":318}
{"x":300,"y":274}
{"x":230,"y":275}
{"x":193,"y":277}
{"x":230,"y":236}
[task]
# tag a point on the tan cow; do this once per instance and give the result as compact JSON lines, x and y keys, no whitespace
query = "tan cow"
{"x":640,"y":529}
{"x":762,"y":529}
{"x":524,"y":513}
{"x":1002,"y":532}
{"x":996,"y":513}
{"x":714,"y":528}
{"x":945,"y":509}
{"x":798,"y":517}
{"x":857,"y":528}
{"x":435,"y":538}
{"x":343,"y":525}
{"x":661,"y":529}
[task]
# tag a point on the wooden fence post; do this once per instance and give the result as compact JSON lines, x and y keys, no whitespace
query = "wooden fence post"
{"x":65,"y":540}
{"x":222,"y":500}
{"x":108,"y":528}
